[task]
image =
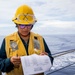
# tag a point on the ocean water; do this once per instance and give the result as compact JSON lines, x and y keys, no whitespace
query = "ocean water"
{"x":59,"y":43}
{"x":1,"y":39}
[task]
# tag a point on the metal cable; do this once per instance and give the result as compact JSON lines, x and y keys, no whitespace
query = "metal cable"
{"x":63,"y":53}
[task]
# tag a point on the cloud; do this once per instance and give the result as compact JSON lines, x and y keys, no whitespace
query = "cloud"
{"x":60,"y":24}
{"x":6,"y":25}
{"x":56,"y":9}
{"x":55,"y":27}
{"x":54,"y":16}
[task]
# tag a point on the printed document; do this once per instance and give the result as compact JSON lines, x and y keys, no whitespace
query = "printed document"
{"x":34,"y":64}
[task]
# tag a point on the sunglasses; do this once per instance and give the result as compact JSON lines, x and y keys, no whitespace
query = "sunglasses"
{"x":22,"y":26}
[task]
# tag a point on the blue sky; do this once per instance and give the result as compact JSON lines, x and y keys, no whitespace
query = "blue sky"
{"x":54,"y":16}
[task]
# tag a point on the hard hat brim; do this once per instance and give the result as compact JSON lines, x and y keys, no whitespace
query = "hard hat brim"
{"x":22,"y":22}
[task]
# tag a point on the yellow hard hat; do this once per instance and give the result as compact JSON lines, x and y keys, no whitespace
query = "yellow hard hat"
{"x":24,"y":15}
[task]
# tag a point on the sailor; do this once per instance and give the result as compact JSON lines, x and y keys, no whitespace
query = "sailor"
{"x":23,"y":42}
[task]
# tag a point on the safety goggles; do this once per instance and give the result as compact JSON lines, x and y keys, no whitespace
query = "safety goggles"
{"x":26,"y":18}
{"x":22,"y":26}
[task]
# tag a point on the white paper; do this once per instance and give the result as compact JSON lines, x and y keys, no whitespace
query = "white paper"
{"x":35,"y":64}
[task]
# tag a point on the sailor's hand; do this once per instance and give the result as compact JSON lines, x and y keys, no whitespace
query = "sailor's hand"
{"x":16,"y":61}
{"x":43,"y":53}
